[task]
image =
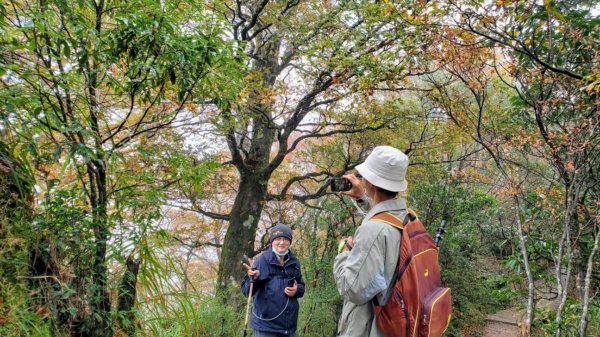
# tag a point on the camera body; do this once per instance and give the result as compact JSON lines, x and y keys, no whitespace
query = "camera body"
{"x":290,"y":282}
{"x":340,"y":185}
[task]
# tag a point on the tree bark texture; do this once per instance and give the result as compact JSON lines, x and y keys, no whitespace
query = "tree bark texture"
{"x":567,"y":257}
{"x":99,"y":324}
{"x":127,"y":296}
{"x":526,"y":330}
{"x":239,"y":240}
{"x":583,"y":323}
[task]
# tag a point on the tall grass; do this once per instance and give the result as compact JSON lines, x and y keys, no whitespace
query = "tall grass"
{"x":165,"y":308}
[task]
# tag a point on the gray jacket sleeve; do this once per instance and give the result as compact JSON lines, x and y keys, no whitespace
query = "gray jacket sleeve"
{"x":366,"y":271}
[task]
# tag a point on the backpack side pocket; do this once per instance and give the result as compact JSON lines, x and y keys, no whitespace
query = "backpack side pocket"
{"x":437,"y":308}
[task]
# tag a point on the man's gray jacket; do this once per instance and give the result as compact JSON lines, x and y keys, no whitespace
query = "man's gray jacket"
{"x":366,"y":272}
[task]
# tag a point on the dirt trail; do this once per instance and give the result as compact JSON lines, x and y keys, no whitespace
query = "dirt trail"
{"x":502,"y":324}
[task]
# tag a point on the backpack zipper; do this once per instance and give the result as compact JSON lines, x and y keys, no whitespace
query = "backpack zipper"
{"x":405,"y":310}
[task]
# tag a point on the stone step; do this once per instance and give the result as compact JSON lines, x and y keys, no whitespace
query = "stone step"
{"x":509,"y":316}
{"x":501,"y":320}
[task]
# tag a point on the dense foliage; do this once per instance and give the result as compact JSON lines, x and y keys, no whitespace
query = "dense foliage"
{"x":146,"y":147}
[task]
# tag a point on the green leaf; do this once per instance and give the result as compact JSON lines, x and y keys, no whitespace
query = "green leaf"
{"x":66,"y":49}
{"x":68,"y":160}
{"x":172,"y":76}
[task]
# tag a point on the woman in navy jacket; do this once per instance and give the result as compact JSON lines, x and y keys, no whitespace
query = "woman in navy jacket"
{"x":277,"y":286}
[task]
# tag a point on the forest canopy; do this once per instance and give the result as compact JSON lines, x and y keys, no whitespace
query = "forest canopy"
{"x":147,"y":147}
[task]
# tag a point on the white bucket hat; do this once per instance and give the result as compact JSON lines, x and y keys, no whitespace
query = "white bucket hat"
{"x":386,"y":167}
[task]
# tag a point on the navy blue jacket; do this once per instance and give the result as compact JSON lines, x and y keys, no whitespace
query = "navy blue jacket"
{"x":273,"y":311}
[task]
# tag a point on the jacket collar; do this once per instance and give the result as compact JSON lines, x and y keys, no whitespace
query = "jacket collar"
{"x":398,"y":204}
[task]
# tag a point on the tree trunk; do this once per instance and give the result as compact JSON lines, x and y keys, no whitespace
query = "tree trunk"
{"x":583,"y":323}
{"x":100,"y":324}
{"x":564,"y":282}
{"x":526,"y":331}
{"x":127,"y":296}
{"x":251,"y":153}
{"x":239,"y":240}
{"x":565,"y":244}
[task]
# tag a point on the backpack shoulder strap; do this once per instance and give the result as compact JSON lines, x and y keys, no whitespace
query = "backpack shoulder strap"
{"x":394,"y":221}
{"x":411,"y":214}
{"x":405,"y":254}
{"x":411,"y":223}
{"x":390,"y":219}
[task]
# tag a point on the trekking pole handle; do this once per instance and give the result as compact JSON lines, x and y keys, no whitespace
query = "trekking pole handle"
{"x":440,"y":231}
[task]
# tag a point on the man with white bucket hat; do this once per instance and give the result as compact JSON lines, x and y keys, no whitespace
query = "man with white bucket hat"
{"x":365,"y":265}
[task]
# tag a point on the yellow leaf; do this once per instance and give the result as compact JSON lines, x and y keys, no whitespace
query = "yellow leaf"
{"x":388,"y":9}
{"x":488,"y":19}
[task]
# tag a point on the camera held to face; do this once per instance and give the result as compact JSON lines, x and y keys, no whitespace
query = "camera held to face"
{"x":340,"y":185}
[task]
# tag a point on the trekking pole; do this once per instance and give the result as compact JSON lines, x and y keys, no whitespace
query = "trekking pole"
{"x":358,"y":209}
{"x":248,"y":307}
{"x":438,"y":234}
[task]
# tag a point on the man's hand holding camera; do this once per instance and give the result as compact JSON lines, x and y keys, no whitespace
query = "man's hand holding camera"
{"x":357,"y":190}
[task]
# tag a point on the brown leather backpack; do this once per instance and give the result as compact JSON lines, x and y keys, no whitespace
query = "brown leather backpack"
{"x":418,"y":305}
